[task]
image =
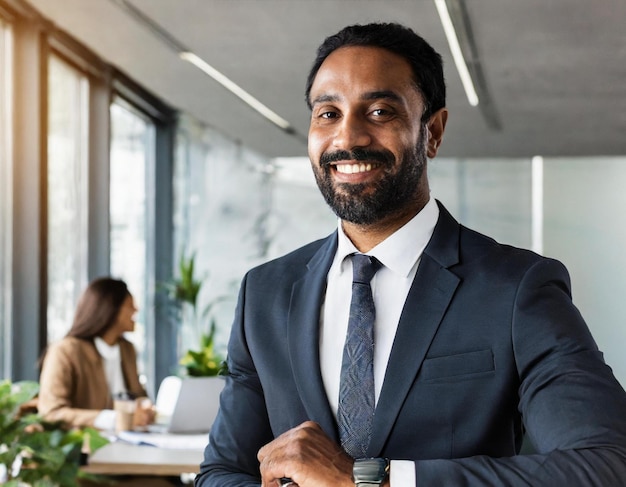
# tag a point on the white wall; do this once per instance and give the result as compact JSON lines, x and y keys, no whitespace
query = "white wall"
{"x":585,"y":228}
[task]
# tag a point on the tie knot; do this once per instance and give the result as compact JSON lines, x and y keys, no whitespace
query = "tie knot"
{"x":364,"y":267}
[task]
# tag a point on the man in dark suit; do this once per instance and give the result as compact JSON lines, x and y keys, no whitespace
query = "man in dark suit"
{"x":475,"y":342}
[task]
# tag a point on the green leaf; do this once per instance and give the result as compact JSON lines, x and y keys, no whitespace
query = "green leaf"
{"x":204,"y":362}
{"x":94,"y":439}
{"x":50,"y":454}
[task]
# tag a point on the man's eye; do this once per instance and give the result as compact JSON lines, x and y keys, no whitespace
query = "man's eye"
{"x":328,"y":115}
{"x":380,"y":112}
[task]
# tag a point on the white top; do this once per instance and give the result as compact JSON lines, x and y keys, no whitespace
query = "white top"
{"x":112,"y":362}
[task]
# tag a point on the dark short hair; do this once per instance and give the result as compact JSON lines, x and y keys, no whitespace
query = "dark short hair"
{"x":425,"y":62}
{"x":98,"y":307}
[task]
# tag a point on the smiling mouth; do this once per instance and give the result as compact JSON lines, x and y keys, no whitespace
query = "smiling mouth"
{"x":356,"y":168}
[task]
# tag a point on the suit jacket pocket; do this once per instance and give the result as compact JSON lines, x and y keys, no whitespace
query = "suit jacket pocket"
{"x":461,"y":366}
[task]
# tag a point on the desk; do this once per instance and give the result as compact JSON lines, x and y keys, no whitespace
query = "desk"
{"x":119,"y":458}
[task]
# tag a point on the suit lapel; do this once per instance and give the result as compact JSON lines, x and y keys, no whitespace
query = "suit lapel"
{"x":303,"y":329}
{"x":430,"y":294}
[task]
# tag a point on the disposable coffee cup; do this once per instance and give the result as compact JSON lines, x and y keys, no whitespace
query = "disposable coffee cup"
{"x":124,"y":407}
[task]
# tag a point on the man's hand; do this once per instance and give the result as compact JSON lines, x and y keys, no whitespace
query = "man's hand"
{"x":308,"y":456}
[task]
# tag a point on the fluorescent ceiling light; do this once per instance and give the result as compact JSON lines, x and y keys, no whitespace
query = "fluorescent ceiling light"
{"x":457,"y":54}
{"x":236,"y":90}
{"x":185,"y":54}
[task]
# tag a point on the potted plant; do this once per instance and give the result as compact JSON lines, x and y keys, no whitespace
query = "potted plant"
{"x":204,"y":362}
{"x":182,"y":295}
{"x":196,"y":348}
{"x":198,"y":358}
{"x":35,"y":452}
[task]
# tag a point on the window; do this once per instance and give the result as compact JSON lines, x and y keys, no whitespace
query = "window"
{"x":89,"y":196}
{"x":67,"y":194}
{"x":6,"y":196}
{"x":132,"y":157}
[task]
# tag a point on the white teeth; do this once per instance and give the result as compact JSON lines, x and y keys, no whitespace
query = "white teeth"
{"x":353,"y":168}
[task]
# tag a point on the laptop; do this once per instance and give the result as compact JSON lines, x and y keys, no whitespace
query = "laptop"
{"x":187,"y":405}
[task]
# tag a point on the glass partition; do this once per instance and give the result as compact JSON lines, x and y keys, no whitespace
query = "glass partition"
{"x":67,"y":193}
{"x":222,"y":215}
{"x":491,"y":196}
{"x":585,"y":228}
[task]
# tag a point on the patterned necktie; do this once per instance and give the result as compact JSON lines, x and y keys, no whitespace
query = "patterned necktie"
{"x":356,"y":390}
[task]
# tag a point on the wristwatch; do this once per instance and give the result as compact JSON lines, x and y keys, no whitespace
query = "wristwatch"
{"x":370,"y":472}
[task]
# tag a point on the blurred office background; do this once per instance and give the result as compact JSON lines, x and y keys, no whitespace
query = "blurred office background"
{"x":135,"y":131}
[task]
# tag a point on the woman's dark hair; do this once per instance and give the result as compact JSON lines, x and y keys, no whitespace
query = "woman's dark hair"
{"x":425,"y":62}
{"x":98,"y":307}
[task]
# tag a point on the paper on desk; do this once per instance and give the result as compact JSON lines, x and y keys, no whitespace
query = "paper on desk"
{"x":165,"y":440}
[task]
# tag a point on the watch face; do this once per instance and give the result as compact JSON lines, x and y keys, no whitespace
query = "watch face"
{"x":372,"y":470}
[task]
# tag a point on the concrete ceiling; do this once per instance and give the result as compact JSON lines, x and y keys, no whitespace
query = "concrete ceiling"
{"x":555,"y":70}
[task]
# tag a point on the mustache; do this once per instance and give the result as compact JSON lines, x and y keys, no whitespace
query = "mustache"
{"x":382,"y":156}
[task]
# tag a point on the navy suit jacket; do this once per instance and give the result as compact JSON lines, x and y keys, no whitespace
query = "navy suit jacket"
{"x":488,"y":344}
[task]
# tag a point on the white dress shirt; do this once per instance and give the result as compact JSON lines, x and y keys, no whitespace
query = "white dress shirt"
{"x":400,"y":254}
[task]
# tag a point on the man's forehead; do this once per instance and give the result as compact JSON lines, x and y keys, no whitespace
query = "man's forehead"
{"x":361,"y":55}
{"x":364,"y":72}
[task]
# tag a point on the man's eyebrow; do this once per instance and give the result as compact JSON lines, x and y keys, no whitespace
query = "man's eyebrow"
{"x":324,"y":99}
{"x":369,"y":96}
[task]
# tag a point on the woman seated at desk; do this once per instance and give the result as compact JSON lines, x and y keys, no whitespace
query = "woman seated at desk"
{"x":93,"y":363}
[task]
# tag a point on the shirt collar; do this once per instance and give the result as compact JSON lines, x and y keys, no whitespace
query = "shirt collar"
{"x":108,"y":352}
{"x":400,"y":251}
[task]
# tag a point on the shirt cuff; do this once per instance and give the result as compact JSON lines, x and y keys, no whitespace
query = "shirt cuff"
{"x":105,"y":420}
{"x":402,"y":473}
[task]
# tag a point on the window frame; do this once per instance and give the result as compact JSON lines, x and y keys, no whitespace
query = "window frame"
{"x":6,"y":189}
{"x":161,"y":351}
{"x":35,"y":39}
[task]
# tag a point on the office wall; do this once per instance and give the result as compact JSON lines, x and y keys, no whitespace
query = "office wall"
{"x":220,"y":196}
{"x":491,"y":196}
{"x":585,"y":227}
{"x":299,"y":212}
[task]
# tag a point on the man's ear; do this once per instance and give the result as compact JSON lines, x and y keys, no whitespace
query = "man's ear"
{"x":436,"y":126}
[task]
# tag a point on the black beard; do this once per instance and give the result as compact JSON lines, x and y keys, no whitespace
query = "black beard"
{"x":392,"y":193}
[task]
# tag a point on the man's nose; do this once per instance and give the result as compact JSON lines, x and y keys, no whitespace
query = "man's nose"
{"x":351,"y":132}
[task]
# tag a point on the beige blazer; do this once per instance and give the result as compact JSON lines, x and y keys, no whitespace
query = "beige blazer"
{"x":73,"y":385}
